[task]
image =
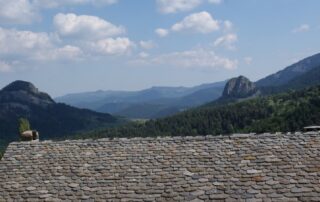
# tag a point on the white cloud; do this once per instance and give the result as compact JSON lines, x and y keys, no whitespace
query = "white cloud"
{"x":94,"y":35}
{"x":27,"y":11}
{"x":107,"y":2}
{"x":112,"y":46}
{"x":198,"y":22}
{"x":85,"y":26}
{"x":67,"y":52}
{"x":227,"y":25}
{"x":5,"y":67}
{"x":23,"y":42}
{"x":215,"y":1}
{"x":173,"y":6}
{"x":161,"y":32}
{"x":301,"y":28}
{"x":61,"y":3}
{"x":30,"y":47}
{"x":17,"y":12}
{"x":200,"y":58}
{"x":143,"y":55}
{"x":227,"y":41}
{"x":147,"y":44}
{"x":248,"y":60}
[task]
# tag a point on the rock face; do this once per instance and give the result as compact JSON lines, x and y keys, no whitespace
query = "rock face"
{"x":21,"y":86}
{"x":240,"y":87}
{"x":24,"y":92}
{"x":22,"y":99}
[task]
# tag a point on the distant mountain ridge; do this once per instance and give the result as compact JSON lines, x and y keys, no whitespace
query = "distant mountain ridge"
{"x":297,"y":69}
{"x":157,"y":102}
{"x":285,"y":112}
{"x":307,"y":79}
{"x":22,"y":99}
{"x":283,"y":105}
{"x":154,"y":102}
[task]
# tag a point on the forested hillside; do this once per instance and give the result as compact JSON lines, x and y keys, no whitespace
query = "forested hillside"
{"x":283,"y":112}
{"x":22,"y":99}
{"x":307,"y":79}
{"x":291,"y":72}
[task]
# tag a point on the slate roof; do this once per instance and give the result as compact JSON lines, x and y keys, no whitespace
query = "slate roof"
{"x":277,"y":167}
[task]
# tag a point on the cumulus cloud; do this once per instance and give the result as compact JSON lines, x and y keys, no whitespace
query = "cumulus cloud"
{"x":248,"y":60}
{"x":112,"y":46}
{"x":67,"y":52}
{"x":215,"y":1}
{"x":301,"y":28}
{"x":147,"y":44}
{"x":23,"y":42}
{"x":201,"y":22}
{"x":61,"y":3}
{"x":27,"y":11}
{"x":200,"y":58}
{"x":17,"y":12}
{"x":29,"y":47}
{"x":161,"y":32}
{"x":94,"y":34}
{"x":227,"y":41}
{"x":5,"y":67}
{"x":85,"y":26}
{"x":173,"y":6}
{"x":143,"y":55}
{"x":227,"y":25}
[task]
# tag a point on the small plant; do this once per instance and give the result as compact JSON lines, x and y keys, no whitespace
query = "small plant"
{"x":24,"y":125}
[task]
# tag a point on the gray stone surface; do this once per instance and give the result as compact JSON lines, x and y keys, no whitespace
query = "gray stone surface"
{"x":281,"y":167}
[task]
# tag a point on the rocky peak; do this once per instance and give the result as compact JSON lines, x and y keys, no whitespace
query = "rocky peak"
{"x":21,"y":86}
{"x":240,"y":87}
{"x":24,"y":92}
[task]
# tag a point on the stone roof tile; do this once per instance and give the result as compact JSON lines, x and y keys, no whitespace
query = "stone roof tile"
{"x":280,"y":167}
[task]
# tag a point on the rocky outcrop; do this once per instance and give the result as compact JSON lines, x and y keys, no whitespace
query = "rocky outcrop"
{"x":21,"y":86}
{"x":240,"y":87}
{"x":24,"y":92}
{"x":22,"y":99}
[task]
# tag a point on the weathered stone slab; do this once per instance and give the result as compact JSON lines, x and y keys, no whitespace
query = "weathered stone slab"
{"x":267,"y":167}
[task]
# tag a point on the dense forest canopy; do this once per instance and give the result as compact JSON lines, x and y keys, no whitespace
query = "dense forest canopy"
{"x":286,"y":112}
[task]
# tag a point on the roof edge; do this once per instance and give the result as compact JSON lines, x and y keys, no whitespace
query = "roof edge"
{"x":206,"y":137}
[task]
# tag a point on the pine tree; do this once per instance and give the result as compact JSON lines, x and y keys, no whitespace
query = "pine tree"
{"x":24,"y":125}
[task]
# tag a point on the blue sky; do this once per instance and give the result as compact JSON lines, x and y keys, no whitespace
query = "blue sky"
{"x":66,"y":46}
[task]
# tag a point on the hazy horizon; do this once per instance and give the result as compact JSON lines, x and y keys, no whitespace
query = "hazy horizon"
{"x":76,"y":46}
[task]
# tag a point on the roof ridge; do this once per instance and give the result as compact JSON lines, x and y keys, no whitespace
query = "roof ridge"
{"x":198,"y":137}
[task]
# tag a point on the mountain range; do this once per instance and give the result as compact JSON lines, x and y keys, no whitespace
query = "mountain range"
{"x":157,"y":102}
{"x":286,"y":75}
{"x":285,"y":112}
{"x":284,"y":105}
{"x":235,"y":105}
{"x":154,"y":102}
{"x":22,"y":99}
